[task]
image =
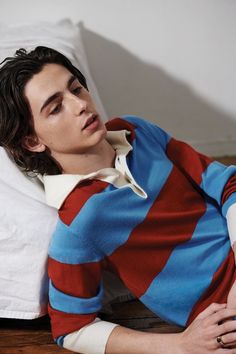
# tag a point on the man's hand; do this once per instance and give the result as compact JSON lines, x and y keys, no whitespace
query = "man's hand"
{"x":201,"y":336}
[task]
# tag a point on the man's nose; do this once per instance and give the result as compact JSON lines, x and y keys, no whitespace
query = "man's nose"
{"x":76,"y":105}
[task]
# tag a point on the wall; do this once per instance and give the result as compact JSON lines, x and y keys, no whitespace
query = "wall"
{"x":172,"y":62}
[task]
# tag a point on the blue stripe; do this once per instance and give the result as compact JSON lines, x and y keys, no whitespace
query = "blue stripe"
{"x":75,"y":305}
{"x":109,"y":218}
{"x":215,"y":178}
{"x":153,"y":131}
{"x":189,"y":270}
{"x":68,"y":247}
{"x":60,"y":340}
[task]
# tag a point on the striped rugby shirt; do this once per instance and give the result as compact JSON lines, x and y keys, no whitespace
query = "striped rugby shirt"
{"x":171,"y":248}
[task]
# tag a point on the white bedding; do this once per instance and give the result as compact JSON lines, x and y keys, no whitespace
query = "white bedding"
{"x":25,"y":230}
{"x":26,"y":221}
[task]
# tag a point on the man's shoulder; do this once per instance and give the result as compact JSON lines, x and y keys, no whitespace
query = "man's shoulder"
{"x":133,"y":124}
{"x":77,"y":199}
{"x":121,"y":122}
{"x":149,"y":129}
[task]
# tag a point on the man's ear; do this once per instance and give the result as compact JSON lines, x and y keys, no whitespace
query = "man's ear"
{"x":31,"y":143}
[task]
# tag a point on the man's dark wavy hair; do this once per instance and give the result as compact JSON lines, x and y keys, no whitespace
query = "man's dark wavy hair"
{"x":16,"y":121}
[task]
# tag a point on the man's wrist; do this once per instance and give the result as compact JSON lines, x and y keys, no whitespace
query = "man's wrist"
{"x":124,"y":340}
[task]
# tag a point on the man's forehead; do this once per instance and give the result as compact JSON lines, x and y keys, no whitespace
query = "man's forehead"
{"x":52,"y":78}
{"x":52,"y":74}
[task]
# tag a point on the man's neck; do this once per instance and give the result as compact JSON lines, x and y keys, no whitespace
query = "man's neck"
{"x":102,"y":156}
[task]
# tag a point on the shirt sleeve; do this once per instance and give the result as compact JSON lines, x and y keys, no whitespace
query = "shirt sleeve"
{"x":75,"y":293}
{"x":213,"y":178}
{"x":80,"y":341}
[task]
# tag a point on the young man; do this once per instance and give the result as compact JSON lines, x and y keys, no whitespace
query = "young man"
{"x":131,"y":199}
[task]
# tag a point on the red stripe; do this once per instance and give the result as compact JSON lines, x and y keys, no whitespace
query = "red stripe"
{"x":229,"y":188}
{"x":219,"y":288}
{"x":170,"y":222}
{"x":188,"y":160}
{"x":78,"y":197}
{"x":80,"y":280}
{"x":119,"y":124}
{"x":64,"y":323}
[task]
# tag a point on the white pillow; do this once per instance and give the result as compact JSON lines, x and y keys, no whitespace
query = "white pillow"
{"x":27,"y":222}
{"x":26,"y":227}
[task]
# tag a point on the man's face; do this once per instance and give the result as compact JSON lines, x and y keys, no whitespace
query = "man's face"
{"x":64,"y":115}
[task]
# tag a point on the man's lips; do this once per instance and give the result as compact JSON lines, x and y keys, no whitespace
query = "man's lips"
{"x":89,"y":120}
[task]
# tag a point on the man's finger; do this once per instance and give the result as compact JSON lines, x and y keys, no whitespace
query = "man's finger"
{"x":214,"y":307}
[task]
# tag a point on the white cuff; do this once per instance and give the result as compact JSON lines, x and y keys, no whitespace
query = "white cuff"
{"x":231,"y":222}
{"x":90,"y":339}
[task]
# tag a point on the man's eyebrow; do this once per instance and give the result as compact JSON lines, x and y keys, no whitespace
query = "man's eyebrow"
{"x":55,"y":95}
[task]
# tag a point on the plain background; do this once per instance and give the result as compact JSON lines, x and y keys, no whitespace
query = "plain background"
{"x":172,"y":62}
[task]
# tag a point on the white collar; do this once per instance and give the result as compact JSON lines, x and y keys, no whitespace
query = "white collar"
{"x":57,"y":187}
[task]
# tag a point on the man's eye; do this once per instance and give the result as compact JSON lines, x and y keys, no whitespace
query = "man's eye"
{"x":57,"y":109}
{"x":76,"y":90}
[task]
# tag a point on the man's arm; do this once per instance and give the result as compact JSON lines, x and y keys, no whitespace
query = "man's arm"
{"x":211,"y":177}
{"x":127,"y":341}
{"x":200,"y":337}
